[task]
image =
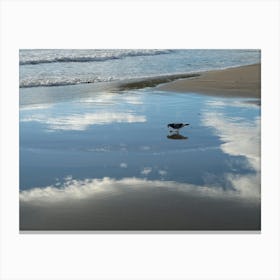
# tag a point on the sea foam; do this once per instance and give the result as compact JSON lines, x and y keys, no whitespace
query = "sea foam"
{"x":49,"y":56}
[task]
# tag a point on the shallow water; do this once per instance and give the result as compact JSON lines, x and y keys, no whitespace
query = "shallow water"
{"x":94,"y":160}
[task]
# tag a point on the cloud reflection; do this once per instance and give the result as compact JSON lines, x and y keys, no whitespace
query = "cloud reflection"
{"x":72,"y":189}
{"x":240,"y":137}
{"x":146,"y":170}
{"x":31,"y":107}
{"x":83,"y":121}
{"x":251,"y":103}
{"x":123,"y":165}
{"x":113,"y":98}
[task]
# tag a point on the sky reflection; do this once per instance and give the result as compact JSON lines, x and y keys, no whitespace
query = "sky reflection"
{"x":240,"y":137}
{"x":83,"y":121}
{"x":138,"y":204}
{"x":97,"y":109}
{"x":71,"y":189}
{"x":127,"y":171}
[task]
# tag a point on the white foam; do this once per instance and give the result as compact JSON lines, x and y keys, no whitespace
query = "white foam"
{"x":54,"y":56}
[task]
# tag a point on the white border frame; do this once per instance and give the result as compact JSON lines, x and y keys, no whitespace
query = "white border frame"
{"x":146,"y":24}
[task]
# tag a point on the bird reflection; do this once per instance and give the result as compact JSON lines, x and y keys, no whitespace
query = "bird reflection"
{"x":177,"y":136}
{"x":174,"y":132}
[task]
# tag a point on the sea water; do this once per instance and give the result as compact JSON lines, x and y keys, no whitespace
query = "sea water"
{"x":69,"y":67}
{"x":95,"y":159}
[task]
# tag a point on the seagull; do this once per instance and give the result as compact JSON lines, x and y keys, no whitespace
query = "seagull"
{"x":177,"y":126}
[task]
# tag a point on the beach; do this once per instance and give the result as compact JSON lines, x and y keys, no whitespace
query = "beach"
{"x":244,"y":81}
{"x":96,"y":152}
{"x":107,"y":161}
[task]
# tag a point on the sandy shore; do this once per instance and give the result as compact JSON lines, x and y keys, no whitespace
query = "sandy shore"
{"x":244,"y":81}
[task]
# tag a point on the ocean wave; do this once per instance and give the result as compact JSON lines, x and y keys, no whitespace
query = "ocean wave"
{"x":47,"y":56}
{"x":27,"y":83}
{"x":120,"y":85}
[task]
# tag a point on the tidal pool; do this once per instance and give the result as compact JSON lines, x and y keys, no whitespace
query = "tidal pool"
{"x":101,"y":160}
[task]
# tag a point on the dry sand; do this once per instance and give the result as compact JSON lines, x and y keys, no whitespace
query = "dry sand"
{"x":244,"y":81}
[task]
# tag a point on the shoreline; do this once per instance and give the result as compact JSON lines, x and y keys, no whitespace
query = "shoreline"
{"x":242,"y":81}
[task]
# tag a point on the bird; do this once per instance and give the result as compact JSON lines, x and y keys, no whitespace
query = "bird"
{"x":177,"y":126}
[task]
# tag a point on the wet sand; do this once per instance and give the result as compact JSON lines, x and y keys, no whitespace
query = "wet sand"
{"x":244,"y":81}
{"x":142,"y":208}
{"x":106,"y":161}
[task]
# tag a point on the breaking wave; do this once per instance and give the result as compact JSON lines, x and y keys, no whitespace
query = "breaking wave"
{"x":49,"y":56}
{"x":27,"y":83}
{"x":121,"y":86}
